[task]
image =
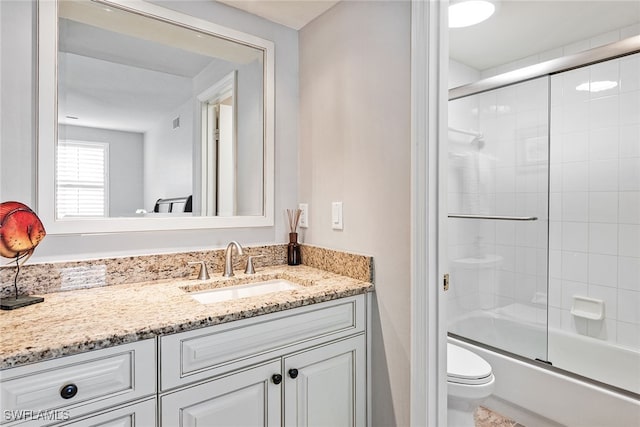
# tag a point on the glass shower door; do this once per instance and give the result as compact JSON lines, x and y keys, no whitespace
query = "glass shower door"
{"x":498,"y":217}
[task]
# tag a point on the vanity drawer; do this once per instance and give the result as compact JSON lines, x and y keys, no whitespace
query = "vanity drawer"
{"x":196,"y":355}
{"x":78,"y":384}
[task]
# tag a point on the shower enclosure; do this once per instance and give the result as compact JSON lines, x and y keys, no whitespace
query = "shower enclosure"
{"x":544,"y":219}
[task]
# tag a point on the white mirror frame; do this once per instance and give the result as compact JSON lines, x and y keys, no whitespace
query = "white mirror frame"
{"x":48,"y":129}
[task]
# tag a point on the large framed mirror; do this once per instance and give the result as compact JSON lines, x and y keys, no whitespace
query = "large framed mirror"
{"x":150,"y":119}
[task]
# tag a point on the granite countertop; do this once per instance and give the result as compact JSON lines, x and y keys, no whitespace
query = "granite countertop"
{"x":73,"y":322}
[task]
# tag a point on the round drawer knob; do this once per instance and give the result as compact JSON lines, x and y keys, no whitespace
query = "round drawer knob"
{"x":293,"y":373}
{"x":68,"y":391}
{"x":276,"y":378}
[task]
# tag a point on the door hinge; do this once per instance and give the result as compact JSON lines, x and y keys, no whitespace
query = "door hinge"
{"x":446,"y":282}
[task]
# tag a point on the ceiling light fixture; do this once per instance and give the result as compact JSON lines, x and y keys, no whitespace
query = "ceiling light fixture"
{"x":597,"y":86}
{"x":469,"y":12}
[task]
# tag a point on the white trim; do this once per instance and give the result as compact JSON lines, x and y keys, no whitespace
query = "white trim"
{"x":225,"y":87}
{"x":47,"y":128}
{"x":429,"y":59}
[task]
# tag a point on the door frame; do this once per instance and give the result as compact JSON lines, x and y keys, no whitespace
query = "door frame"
{"x":429,"y":97}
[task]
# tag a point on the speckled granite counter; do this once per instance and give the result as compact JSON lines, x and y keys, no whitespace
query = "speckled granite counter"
{"x":88,"y":319}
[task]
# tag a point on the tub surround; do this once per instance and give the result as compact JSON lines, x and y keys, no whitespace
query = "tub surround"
{"x":153,"y":302}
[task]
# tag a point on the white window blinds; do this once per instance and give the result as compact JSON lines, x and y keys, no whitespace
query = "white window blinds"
{"x":81,"y":179}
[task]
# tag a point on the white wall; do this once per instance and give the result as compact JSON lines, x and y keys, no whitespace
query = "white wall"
{"x":125,"y":165}
{"x":17,"y":117}
{"x":18,"y":136}
{"x":168,"y":157}
{"x":355,"y":148}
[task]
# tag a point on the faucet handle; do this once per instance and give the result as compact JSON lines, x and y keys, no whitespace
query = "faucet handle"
{"x":204,"y":274}
{"x":250,"y":269}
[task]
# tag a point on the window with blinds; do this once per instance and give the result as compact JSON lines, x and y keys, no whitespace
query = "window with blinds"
{"x":81,"y":179}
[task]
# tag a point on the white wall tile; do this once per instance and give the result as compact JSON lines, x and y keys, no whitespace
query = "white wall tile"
{"x":603,"y":270}
{"x":629,"y":273}
{"x":575,"y":176}
{"x":575,"y":236}
{"x":575,"y":147}
{"x":603,"y":175}
{"x":575,"y":206}
{"x":628,"y":334}
{"x":610,"y":298}
{"x":575,"y":117}
{"x":629,"y":207}
{"x":603,"y":144}
{"x":629,"y":108}
{"x":629,"y":244}
{"x":630,"y":141}
{"x":630,"y":174}
{"x":628,"y":306}
{"x":574,"y":266}
{"x":603,"y":238}
{"x":603,"y":112}
{"x":603,"y":206}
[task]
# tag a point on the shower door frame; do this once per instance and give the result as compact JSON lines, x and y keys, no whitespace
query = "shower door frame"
{"x":615,"y":50}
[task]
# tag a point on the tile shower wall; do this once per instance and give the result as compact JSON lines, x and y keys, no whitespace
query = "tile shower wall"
{"x":595,"y":198}
{"x":499,"y":265}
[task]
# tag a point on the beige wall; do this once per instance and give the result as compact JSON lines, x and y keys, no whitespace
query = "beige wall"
{"x":355,"y":148}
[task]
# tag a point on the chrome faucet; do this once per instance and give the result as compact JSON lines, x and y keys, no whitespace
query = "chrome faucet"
{"x":228,"y":258}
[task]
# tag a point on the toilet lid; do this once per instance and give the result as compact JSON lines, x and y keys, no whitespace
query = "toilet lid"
{"x":466,"y":367}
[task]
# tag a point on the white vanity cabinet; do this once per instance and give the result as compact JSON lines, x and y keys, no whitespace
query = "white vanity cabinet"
{"x":68,"y":388}
{"x":298,"y":367}
{"x":326,"y":386}
{"x":245,"y":398}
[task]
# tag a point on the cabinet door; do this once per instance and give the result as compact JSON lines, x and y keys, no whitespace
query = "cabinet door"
{"x":245,"y":398}
{"x":326,"y":386}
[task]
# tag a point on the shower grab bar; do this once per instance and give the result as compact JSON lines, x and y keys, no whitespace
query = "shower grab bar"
{"x":495,"y":217}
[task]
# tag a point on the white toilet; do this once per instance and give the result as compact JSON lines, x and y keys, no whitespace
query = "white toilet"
{"x":469,"y":382}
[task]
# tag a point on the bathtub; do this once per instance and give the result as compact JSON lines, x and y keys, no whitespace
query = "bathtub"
{"x":537,"y":395}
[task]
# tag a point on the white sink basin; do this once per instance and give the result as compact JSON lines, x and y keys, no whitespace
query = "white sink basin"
{"x":243,"y":291}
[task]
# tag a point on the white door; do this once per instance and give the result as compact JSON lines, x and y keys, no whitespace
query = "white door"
{"x":246,"y":398}
{"x":326,"y":386}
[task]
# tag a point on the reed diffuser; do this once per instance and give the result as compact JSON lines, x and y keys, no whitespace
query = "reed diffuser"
{"x":293,"y":249}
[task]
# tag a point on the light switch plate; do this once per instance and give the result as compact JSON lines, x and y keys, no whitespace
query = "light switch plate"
{"x":336,"y":215}
{"x":304,"y":215}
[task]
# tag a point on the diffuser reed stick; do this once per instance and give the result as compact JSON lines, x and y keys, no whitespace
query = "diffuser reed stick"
{"x":294,"y":218}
